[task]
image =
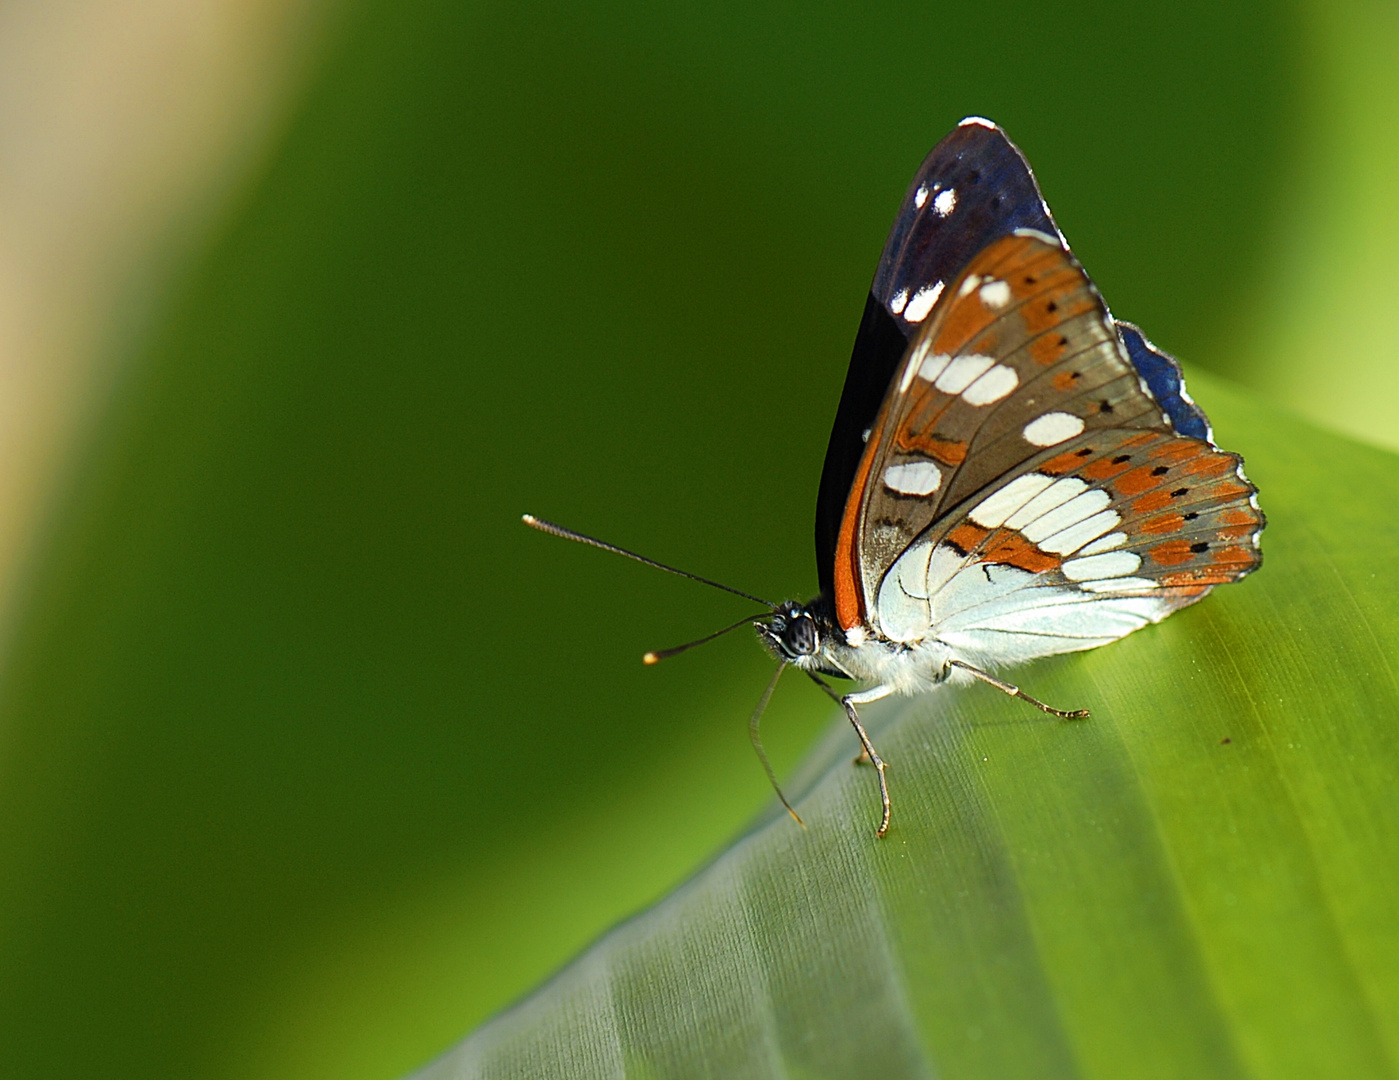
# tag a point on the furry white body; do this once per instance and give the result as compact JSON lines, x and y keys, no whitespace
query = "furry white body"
{"x":896,"y":667}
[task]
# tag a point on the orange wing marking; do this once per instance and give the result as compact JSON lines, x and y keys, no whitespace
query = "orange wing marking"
{"x":1012,"y":549}
{"x":1171,"y":553}
{"x":1157,"y":500}
{"x":1046,"y":312}
{"x":1140,"y":479}
{"x":1065,"y":462}
{"x":930,"y":443}
{"x":849,"y":604}
{"x":1105,"y":468}
{"x":1048,"y":349}
{"x":966,"y":537}
{"x":1165,"y":523}
{"x":1234,"y":556}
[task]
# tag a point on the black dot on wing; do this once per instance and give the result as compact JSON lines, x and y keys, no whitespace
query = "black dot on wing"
{"x":1051,"y":306}
{"x":1085,"y":451}
{"x":1063,"y":340}
{"x":1179,"y":492}
{"x":1199,"y":547}
{"x":1104,"y":406}
{"x":1160,"y":470}
{"x":1121,"y":458}
{"x":1029,"y":279}
{"x":1190,"y":516}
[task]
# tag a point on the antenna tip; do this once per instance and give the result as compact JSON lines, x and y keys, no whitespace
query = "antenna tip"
{"x":649,"y":658}
{"x":529,"y":519}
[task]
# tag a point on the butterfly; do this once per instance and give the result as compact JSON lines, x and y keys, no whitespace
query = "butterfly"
{"x":1012,"y":472}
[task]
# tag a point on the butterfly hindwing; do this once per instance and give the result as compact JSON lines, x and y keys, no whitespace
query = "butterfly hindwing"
{"x":1115,"y":529}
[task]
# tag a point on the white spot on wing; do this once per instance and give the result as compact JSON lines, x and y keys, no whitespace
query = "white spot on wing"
{"x":922,"y":302}
{"x":1122,"y":584}
{"x":967,"y":286}
{"x":920,"y":196}
{"x":944,"y":202}
{"x":991,"y":387}
{"x":993,"y":510}
{"x":896,"y":305}
{"x":1107,"y":543}
{"x":1113,"y":564}
{"x":962,"y":372}
{"x":912,"y":365}
{"x":1067,"y":541}
{"x":913,"y":478}
{"x":1057,"y":494}
{"x":995,"y":294}
{"x":1079,"y":508}
{"x":931,"y":366}
{"x":1052,"y":428}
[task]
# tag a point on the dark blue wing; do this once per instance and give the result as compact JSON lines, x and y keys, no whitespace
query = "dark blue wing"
{"x":1162,"y":375}
{"x":974,"y":187}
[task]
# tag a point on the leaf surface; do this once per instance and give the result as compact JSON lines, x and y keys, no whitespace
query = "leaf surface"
{"x":1201,"y":880}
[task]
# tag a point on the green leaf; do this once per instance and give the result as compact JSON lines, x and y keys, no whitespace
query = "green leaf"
{"x":1199,"y":881}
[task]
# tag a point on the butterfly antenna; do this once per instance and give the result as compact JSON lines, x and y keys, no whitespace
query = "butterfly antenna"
{"x":664,"y":654}
{"x":568,"y":534}
{"x":758,"y":743}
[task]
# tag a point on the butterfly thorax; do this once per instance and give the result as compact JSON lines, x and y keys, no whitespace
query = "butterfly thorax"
{"x":808,"y":637}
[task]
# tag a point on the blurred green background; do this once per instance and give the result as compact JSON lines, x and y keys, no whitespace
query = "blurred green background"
{"x":311,"y":757}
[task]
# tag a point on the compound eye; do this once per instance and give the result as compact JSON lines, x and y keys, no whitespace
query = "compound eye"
{"x":801,"y":636}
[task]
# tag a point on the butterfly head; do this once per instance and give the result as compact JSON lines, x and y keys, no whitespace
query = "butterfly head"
{"x":792,"y":632}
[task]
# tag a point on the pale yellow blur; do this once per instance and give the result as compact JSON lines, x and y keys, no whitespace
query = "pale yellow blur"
{"x":123,"y":126}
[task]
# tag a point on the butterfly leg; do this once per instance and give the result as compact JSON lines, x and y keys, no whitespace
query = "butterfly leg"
{"x":1015,"y":691}
{"x":758,"y":743}
{"x":848,"y":703}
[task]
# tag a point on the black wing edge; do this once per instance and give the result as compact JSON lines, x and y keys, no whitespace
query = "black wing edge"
{"x":879,"y":346}
{"x":995,"y":194}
